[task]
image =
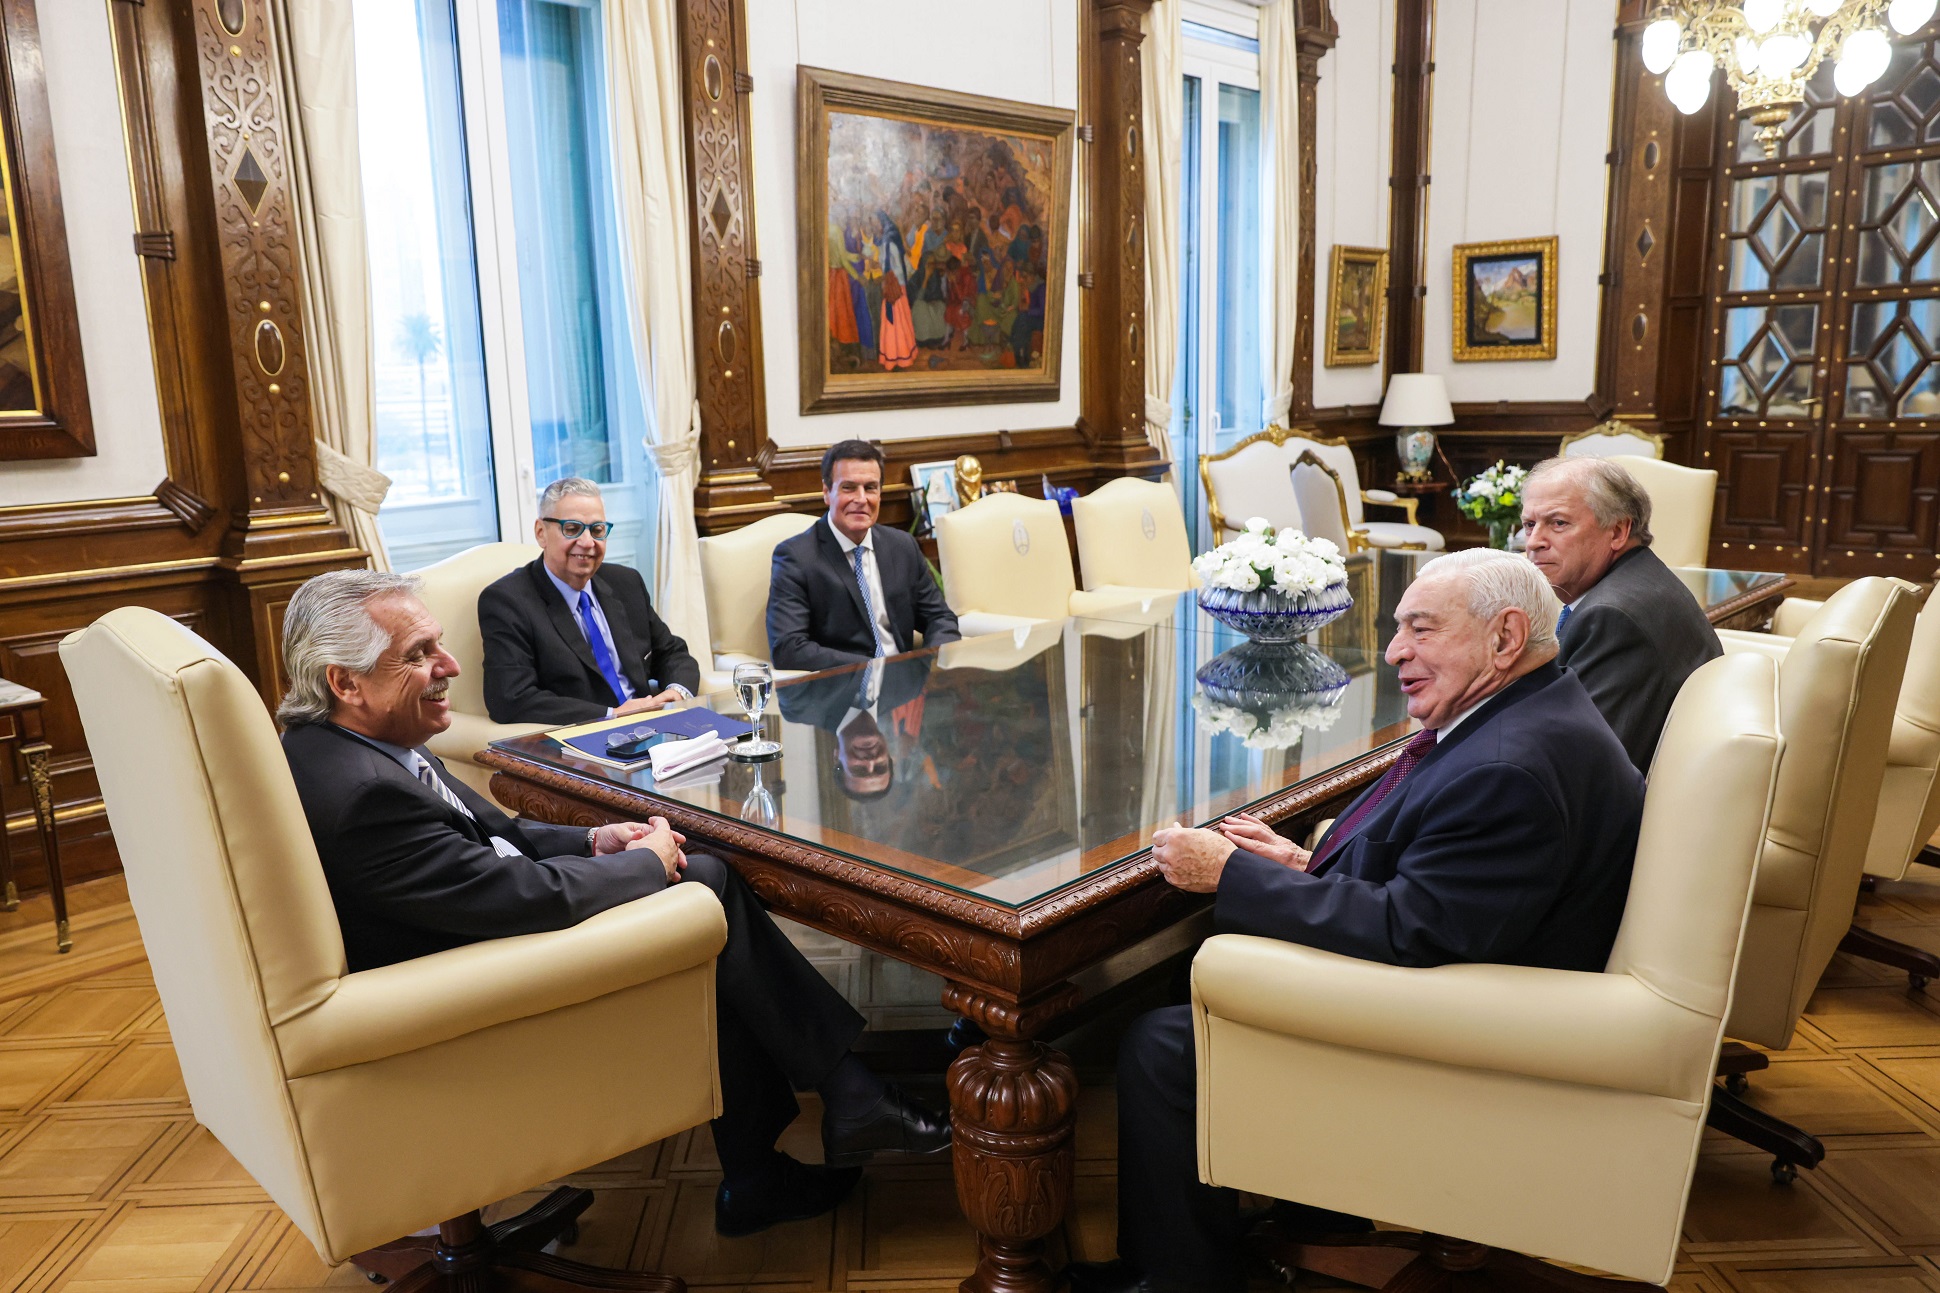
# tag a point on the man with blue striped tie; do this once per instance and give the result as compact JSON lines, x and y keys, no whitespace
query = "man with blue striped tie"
{"x":849,"y":590}
{"x":417,"y":863}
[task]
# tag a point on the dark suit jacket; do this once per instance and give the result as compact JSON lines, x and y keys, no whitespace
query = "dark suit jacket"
{"x":825,"y":701}
{"x":411,"y":875}
{"x":815,"y":615}
{"x":1510,"y":842}
{"x":1633,"y":639}
{"x":539,"y":667}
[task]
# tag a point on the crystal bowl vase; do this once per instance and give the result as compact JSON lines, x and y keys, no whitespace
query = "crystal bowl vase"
{"x":1253,"y":675}
{"x":1265,"y":615}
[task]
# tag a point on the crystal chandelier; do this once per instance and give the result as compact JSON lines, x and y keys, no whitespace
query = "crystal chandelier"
{"x":1769,"y":49}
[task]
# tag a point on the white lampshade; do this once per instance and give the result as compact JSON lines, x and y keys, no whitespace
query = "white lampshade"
{"x":1416,"y":400}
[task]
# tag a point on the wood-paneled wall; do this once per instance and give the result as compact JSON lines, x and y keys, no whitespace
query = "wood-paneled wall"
{"x":238,"y":522}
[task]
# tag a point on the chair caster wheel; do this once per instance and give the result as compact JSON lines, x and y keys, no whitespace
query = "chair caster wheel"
{"x":1737,"y":1083}
{"x":1784,"y":1173}
{"x":1917,"y":982}
{"x":375,"y":1278}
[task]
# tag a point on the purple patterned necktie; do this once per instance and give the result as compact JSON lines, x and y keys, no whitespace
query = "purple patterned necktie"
{"x":1412,"y":753}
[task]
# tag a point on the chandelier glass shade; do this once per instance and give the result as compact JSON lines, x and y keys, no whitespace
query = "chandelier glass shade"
{"x":1769,"y":49}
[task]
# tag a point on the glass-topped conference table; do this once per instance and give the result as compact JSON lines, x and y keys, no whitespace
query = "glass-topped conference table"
{"x":989,"y":818}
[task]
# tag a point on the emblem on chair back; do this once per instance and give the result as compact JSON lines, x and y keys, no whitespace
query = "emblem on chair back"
{"x":1146,"y":525}
{"x":1020,"y":538}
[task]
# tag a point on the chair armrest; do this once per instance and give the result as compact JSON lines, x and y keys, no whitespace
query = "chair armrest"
{"x":1124,"y":599}
{"x":974,"y":624}
{"x":1388,"y":498}
{"x":1595,"y":1030}
{"x":1792,"y":615}
{"x":1737,"y":641}
{"x":375,"y":1014}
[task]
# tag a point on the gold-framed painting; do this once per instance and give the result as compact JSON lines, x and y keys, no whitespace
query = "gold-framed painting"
{"x":932,"y":230}
{"x":1505,"y":299}
{"x":1357,"y":305}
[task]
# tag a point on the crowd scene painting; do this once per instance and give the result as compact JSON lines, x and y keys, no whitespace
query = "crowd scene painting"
{"x":939,"y":246}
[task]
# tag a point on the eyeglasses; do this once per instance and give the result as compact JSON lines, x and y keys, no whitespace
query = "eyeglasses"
{"x":573,"y":529}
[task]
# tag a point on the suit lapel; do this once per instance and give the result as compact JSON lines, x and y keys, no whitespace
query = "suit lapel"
{"x":632,"y":651}
{"x":394,"y":770}
{"x":563,"y":621}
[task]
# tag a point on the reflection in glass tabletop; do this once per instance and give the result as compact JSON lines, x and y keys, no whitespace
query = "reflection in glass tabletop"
{"x":1011,"y":765}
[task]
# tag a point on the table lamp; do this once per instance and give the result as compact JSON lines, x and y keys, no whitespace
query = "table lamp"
{"x":1416,"y":402}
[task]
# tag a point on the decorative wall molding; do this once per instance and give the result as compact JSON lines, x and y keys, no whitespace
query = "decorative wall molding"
{"x":1414,"y":82}
{"x":1315,"y":32}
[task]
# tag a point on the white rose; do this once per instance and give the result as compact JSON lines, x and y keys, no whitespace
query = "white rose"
{"x":1258,"y":525}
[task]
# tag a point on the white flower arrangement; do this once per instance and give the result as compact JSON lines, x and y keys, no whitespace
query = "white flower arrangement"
{"x":1288,"y":562}
{"x":1279,"y":730}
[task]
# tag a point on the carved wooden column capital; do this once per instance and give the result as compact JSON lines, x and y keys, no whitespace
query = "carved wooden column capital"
{"x":1112,"y":278}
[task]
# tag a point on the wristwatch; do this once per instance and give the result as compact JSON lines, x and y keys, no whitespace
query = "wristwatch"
{"x":592,"y":841}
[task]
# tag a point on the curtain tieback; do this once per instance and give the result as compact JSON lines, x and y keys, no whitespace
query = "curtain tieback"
{"x":1158,"y":412}
{"x":358,"y":484}
{"x":678,"y":459}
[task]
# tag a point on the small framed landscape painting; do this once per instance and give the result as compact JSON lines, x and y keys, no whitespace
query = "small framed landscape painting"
{"x":931,"y":229}
{"x":1357,"y":305}
{"x":1505,"y":299}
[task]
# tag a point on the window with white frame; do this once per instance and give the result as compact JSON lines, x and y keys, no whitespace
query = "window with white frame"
{"x":502,"y":349}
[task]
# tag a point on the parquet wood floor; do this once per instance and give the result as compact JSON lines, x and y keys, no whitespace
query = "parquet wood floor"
{"x":107,"y":1185}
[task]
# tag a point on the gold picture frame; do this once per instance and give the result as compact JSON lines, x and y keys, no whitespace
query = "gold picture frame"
{"x":1357,"y":305}
{"x":1504,"y":300}
{"x":944,"y":218}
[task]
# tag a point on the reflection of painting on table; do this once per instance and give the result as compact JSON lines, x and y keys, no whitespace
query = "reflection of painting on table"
{"x":1356,"y":301}
{"x":1505,"y":300}
{"x":932,"y":230}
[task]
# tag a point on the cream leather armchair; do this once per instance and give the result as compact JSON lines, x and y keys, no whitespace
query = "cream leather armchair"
{"x":1132,"y":541}
{"x":735,"y":569}
{"x":1545,"y":1112}
{"x":369,"y":1105}
{"x":1680,"y":507}
{"x":1838,"y":683}
{"x":1006,"y":565}
{"x":450,"y":592}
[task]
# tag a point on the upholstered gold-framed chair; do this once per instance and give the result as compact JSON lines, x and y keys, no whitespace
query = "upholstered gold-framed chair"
{"x":1323,"y":502}
{"x":1608,"y":439}
{"x":1542,"y":1113}
{"x":1681,"y":499}
{"x":1339,"y":457}
{"x":735,"y":569}
{"x":1250,"y":479}
{"x":1132,"y":539}
{"x":449,"y":590}
{"x":1839,"y":682}
{"x":372,"y":1104}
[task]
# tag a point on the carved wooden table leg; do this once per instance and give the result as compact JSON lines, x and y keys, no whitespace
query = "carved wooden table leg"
{"x":1013,"y":1108}
{"x":35,"y":753}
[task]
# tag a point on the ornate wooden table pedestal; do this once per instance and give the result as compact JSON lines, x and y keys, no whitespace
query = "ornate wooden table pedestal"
{"x":20,"y":728}
{"x":1013,"y":1099}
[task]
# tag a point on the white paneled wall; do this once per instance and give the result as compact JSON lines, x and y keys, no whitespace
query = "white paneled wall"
{"x":1025,"y":50}
{"x":1354,"y":121}
{"x":1520,"y":127}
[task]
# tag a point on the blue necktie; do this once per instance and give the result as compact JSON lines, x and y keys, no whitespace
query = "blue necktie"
{"x":601,"y":656}
{"x":1561,"y":620}
{"x":868,"y":607}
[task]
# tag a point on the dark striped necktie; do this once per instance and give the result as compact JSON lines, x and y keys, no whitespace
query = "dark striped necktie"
{"x":429,"y":776}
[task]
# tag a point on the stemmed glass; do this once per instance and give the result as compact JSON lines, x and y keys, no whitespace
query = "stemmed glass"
{"x":760,"y":807}
{"x":754,"y":684}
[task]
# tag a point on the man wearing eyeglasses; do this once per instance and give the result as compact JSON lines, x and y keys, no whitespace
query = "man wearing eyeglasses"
{"x":569,"y":638}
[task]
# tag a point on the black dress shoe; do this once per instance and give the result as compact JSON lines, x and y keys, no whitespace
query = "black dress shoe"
{"x":895,"y":1124}
{"x":793,"y":1192}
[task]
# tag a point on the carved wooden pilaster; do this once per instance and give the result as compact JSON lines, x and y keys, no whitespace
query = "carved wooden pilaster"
{"x":715,"y":86}
{"x":1414,"y":74}
{"x":1112,"y":284}
{"x":280,"y":532}
{"x":1314,"y":34}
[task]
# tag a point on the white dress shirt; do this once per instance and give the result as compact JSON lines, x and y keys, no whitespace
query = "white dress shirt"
{"x":885,"y":635}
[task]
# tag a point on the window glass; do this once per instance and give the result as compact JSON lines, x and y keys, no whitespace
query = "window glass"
{"x":433,"y":428}
{"x":1238,"y":299}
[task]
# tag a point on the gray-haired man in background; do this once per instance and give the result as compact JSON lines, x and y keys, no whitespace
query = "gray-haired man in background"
{"x":1630,"y":629}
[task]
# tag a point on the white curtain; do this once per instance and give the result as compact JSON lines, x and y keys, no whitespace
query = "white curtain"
{"x":1280,"y":104}
{"x":643,"y":71}
{"x":318,"y":55}
{"x":1161,"y":74}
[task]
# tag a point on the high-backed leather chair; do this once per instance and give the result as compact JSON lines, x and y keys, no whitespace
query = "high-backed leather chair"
{"x":1007,"y":565}
{"x":1838,"y":684}
{"x":369,"y":1105}
{"x":450,"y":592}
{"x":1544,"y":1112}
{"x":1132,"y":538}
{"x":1909,"y":795}
{"x":1680,"y":507}
{"x":735,"y":569}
